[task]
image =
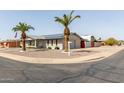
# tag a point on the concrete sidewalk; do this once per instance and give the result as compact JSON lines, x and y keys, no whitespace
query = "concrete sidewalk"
{"x":102,"y":53}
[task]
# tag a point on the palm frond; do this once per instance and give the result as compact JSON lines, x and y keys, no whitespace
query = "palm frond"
{"x":66,"y":20}
{"x":59,"y":20}
{"x":70,"y":16}
{"x":74,"y":18}
{"x":30,"y":27}
{"x":22,"y":27}
{"x":14,"y":29}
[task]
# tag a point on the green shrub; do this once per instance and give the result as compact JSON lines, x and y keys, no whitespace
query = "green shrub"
{"x":57,"y":48}
{"x":111,"y":41}
{"x":49,"y":48}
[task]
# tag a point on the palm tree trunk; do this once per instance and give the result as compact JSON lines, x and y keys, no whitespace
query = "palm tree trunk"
{"x":23,"y":44}
{"x":23,"y":41}
{"x":65,"y":43}
{"x":66,"y":38}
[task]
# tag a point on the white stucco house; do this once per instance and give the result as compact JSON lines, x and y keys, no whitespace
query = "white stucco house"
{"x":55,"y":41}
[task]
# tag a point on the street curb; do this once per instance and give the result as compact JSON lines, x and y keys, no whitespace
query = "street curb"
{"x":89,"y":58}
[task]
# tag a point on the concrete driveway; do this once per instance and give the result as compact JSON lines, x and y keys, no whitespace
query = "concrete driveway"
{"x":108,"y":70}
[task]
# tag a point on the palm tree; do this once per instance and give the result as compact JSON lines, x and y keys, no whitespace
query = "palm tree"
{"x":66,"y":21}
{"x":22,"y":27}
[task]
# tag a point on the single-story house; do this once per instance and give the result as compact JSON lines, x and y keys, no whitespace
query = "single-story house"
{"x":55,"y":41}
{"x":98,"y":41}
{"x":90,"y":41}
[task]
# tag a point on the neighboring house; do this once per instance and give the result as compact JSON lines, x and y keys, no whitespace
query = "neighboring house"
{"x":98,"y":41}
{"x":55,"y":41}
{"x":9,"y":44}
{"x":90,"y":41}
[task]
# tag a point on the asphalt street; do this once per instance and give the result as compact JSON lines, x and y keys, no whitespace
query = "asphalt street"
{"x":109,"y":70}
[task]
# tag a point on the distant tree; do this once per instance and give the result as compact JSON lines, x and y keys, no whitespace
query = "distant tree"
{"x":111,"y":41}
{"x":121,"y":42}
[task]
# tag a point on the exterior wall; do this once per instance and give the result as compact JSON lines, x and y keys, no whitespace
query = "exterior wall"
{"x":36,"y":43}
{"x":90,"y":41}
{"x":41,"y":43}
{"x":87,"y":44}
{"x":13,"y":44}
{"x":30,"y":43}
{"x":83,"y":44}
{"x":76,"y":42}
{"x":61,"y":43}
{"x":1,"y":45}
{"x":9,"y":44}
{"x":53,"y":46}
{"x":92,"y":44}
{"x":97,"y":44}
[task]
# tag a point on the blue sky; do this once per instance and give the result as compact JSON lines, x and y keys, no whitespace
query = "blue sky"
{"x":99,"y":23}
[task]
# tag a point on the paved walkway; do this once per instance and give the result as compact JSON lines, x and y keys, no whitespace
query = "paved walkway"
{"x":101,"y":53}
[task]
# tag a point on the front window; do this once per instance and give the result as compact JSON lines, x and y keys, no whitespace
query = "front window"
{"x":32,"y":43}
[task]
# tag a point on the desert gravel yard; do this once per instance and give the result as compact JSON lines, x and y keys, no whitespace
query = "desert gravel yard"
{"x":43,"y":53}
{"x":42,"y":56}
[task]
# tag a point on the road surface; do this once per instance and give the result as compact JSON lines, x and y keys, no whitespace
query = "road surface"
{"x":108,"y":70}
